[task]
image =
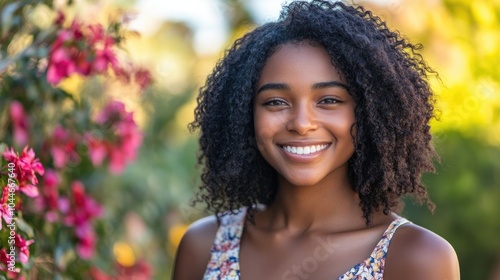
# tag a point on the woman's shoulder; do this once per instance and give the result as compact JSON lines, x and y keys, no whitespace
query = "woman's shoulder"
{"x":418,"y":253}
{"x":193,"y":252}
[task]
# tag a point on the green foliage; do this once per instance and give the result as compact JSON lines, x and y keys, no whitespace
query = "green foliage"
{"x":467,"y":194}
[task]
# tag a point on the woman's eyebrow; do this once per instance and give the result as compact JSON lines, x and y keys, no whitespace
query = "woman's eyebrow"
{"x":277,"y":86}
{"x":281,"y":86}
{"x":330,"y":84}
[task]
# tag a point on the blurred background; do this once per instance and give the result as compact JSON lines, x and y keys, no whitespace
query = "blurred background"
{"x":148,"y":206}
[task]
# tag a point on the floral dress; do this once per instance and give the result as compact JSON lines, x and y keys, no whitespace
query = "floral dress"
{"x":224,"y":260}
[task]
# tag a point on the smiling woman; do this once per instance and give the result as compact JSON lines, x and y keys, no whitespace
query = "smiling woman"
{"x":312,"y":129}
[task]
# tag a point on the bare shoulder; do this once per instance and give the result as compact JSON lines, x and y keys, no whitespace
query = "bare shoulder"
{"x":193,"y":252}
{"x":416,"y":253}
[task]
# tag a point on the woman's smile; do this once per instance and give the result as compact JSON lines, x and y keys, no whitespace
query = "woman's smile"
{"x":303,"y":152}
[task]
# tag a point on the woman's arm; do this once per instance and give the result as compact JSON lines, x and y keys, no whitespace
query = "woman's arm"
{"x":193,"y":253}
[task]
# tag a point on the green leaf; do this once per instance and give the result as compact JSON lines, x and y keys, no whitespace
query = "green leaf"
{"x":24,"y":227}
{"x":8,"y":18}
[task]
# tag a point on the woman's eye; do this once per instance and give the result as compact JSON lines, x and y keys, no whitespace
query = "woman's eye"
{"x":329,"y":101}
{"x":275,"y":102}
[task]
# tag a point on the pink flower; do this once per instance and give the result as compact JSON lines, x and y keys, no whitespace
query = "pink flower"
{"x":60,"y":18}
{"x":97,"y":149}
{"x":4,"y":259}
{"x":113,"y":111}
{"x":29,"y":165}
{"x":4,"y":264}
{"x":51,"y":179}
{"x":60,"y":65}
{"x":10,"y":155}
{"x":98,"y":274}
{"x":86,"y":246}
{"x":48,"y":202}
{"x":80,"y":49}
{"x":127,"y":138}
{"x":82,"y":212}
{"x":26,"y":168}
{"x":130,"y":140}
{"x":67,"y":56}
{"x":143,"y":78}
{"x":24,"y":252}
{"x":141,"y":270}
{"x":104,"y":53}
{"x":63,"y":147}
{"x":5,"y":212}
{"x":19,"y":123}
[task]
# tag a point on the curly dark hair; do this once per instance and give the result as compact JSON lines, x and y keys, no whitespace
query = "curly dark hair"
{"x":386,"y":76}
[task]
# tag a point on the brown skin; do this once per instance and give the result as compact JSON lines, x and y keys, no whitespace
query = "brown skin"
{"x":300,"y":102}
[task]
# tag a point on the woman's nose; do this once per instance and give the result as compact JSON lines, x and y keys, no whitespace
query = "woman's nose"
{"x":302,"y":120}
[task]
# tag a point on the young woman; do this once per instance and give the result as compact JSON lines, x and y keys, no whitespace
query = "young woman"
{"x":312,"y":129}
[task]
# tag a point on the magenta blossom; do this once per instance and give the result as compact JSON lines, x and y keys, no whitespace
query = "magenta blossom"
{"x":98,"y":149}
{"x":48,"y":201}
{"x":24,"y":252}
{"x":79,"y":213}
{"x":26,"y":168}
{"x":5,"y":212}
{"x":141,"y":270}
{"x":143,"y":78}
{"x":19,"y":123}
{"x":82,"y":49}
{"x":67,"y":56}
{"x":4,"y":263}
{"x":123,"y":148}
{"x":63,"y":147}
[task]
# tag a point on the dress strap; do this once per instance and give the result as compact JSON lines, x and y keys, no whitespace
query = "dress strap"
{"x":383,"y":244}
{"x":231,"y":227}
{"x":373,"y":267}
{"x":224,"y":259}
{"x":379,"y":254}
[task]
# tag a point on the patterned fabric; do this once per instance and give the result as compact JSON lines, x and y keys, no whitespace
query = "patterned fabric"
{"x":373,"y":266}
{"x":224,"y":262}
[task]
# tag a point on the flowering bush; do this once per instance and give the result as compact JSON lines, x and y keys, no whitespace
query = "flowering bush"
{"x":54,"y":143}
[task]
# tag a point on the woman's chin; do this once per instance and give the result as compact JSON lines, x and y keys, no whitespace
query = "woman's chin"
{"x":302,"y":181}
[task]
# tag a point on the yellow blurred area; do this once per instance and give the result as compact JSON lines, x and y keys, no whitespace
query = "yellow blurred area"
{"x":461,"y":40}
{"x":484,"y":12}
{"x":175,"y":234}
{"x":73,"y":85}
{"x":124,"y":254}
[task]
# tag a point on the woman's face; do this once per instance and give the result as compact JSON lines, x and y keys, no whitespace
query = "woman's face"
{"x":303,"y":115}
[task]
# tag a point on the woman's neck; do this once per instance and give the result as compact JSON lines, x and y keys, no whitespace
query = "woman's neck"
{"x":329,"y":204}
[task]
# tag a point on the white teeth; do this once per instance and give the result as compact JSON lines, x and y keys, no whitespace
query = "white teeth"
{"x":304,"y":150}
{"x":307,"y":150}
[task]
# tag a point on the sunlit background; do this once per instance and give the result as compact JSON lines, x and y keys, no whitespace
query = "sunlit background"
{"x":461,"y":41}
{"x":148,"y":207}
